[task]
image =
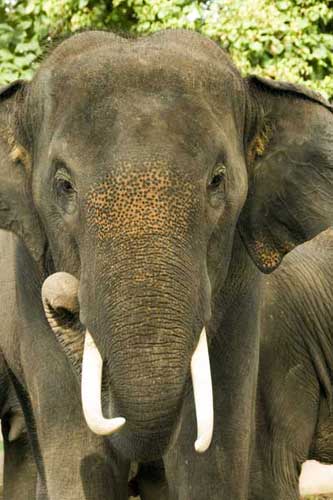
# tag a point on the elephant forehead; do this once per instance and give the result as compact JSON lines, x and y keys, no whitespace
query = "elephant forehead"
{"x":153,"y":200}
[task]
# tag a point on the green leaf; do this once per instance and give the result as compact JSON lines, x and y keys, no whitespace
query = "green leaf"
{"x":24,"y":25}
{"x":25,"y":60}
{"x":283,"y":5}
{"x":31,"y":7}
{"x":31,"y":46}
{"x":6,"y":27}
{"x":256,"y":46}
{"x":6,"y":55}
{"x":320,"y":53}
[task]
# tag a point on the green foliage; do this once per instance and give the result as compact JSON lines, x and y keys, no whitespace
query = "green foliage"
{"x":285,"y":39}
{"x":22,"y":25}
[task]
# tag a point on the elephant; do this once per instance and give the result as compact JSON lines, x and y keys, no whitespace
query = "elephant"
{"x":146,"y":188}
{"x":294,"y":400}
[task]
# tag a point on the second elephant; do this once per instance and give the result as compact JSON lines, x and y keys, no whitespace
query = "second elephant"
{"x":295,"y":388}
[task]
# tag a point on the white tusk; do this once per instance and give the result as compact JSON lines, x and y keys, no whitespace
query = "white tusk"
{"x":92,"y":366}
{"x":203,"y":394}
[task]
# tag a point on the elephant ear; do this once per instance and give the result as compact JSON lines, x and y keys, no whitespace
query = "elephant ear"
{"x":17,"y":211}
{"x":290,"y":163}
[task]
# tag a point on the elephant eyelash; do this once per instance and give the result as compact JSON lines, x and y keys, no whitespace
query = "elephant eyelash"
{"x":65,"y":192}
{"x":218,"y":176}
{"x":63,"y":182}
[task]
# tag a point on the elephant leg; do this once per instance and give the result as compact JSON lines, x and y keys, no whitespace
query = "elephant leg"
{"x":20,"y":472}
{"x":73,"y":463}
{"x":286,"y":421}
{"x":151,"y":481}
{"x":221,"y":472}
{"x":76,"y":463}
{"x":281,"y":485}
{"x":322,"y":446}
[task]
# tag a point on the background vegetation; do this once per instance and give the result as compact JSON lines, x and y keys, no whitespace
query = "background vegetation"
{"x":282,"y":39}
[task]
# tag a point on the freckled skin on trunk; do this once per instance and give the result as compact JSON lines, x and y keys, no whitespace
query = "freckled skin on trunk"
{"x":148,"y":300}
{"x":143,"y":322}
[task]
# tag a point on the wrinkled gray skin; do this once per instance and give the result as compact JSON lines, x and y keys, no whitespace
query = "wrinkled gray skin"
{"x":19,"y":472}
{"x":167,"y":184}
{"x":294,"y":402}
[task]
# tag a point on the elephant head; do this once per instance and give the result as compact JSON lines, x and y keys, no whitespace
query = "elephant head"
{"x":127,"y":166}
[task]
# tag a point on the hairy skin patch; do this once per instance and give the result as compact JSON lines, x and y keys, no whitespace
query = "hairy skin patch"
{"x":260,"y":143}
{"x":19,"y":154}
{"x":152,"y":200}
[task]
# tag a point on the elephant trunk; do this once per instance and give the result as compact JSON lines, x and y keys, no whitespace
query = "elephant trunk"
{"x":202,"y":388}
{"x":145,"y":327}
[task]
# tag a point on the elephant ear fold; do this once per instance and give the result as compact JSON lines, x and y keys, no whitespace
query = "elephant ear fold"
{"x":17,"y":211}
{"x":290,"y":164}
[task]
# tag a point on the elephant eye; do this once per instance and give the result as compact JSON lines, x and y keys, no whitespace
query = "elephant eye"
{"x":63,"y":182}
{"x":218,"y":177}
{"x":65,"y":190}
{"x":64,"y":186}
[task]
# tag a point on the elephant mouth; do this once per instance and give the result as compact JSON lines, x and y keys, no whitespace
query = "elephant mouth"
{"x":59,"y":294}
